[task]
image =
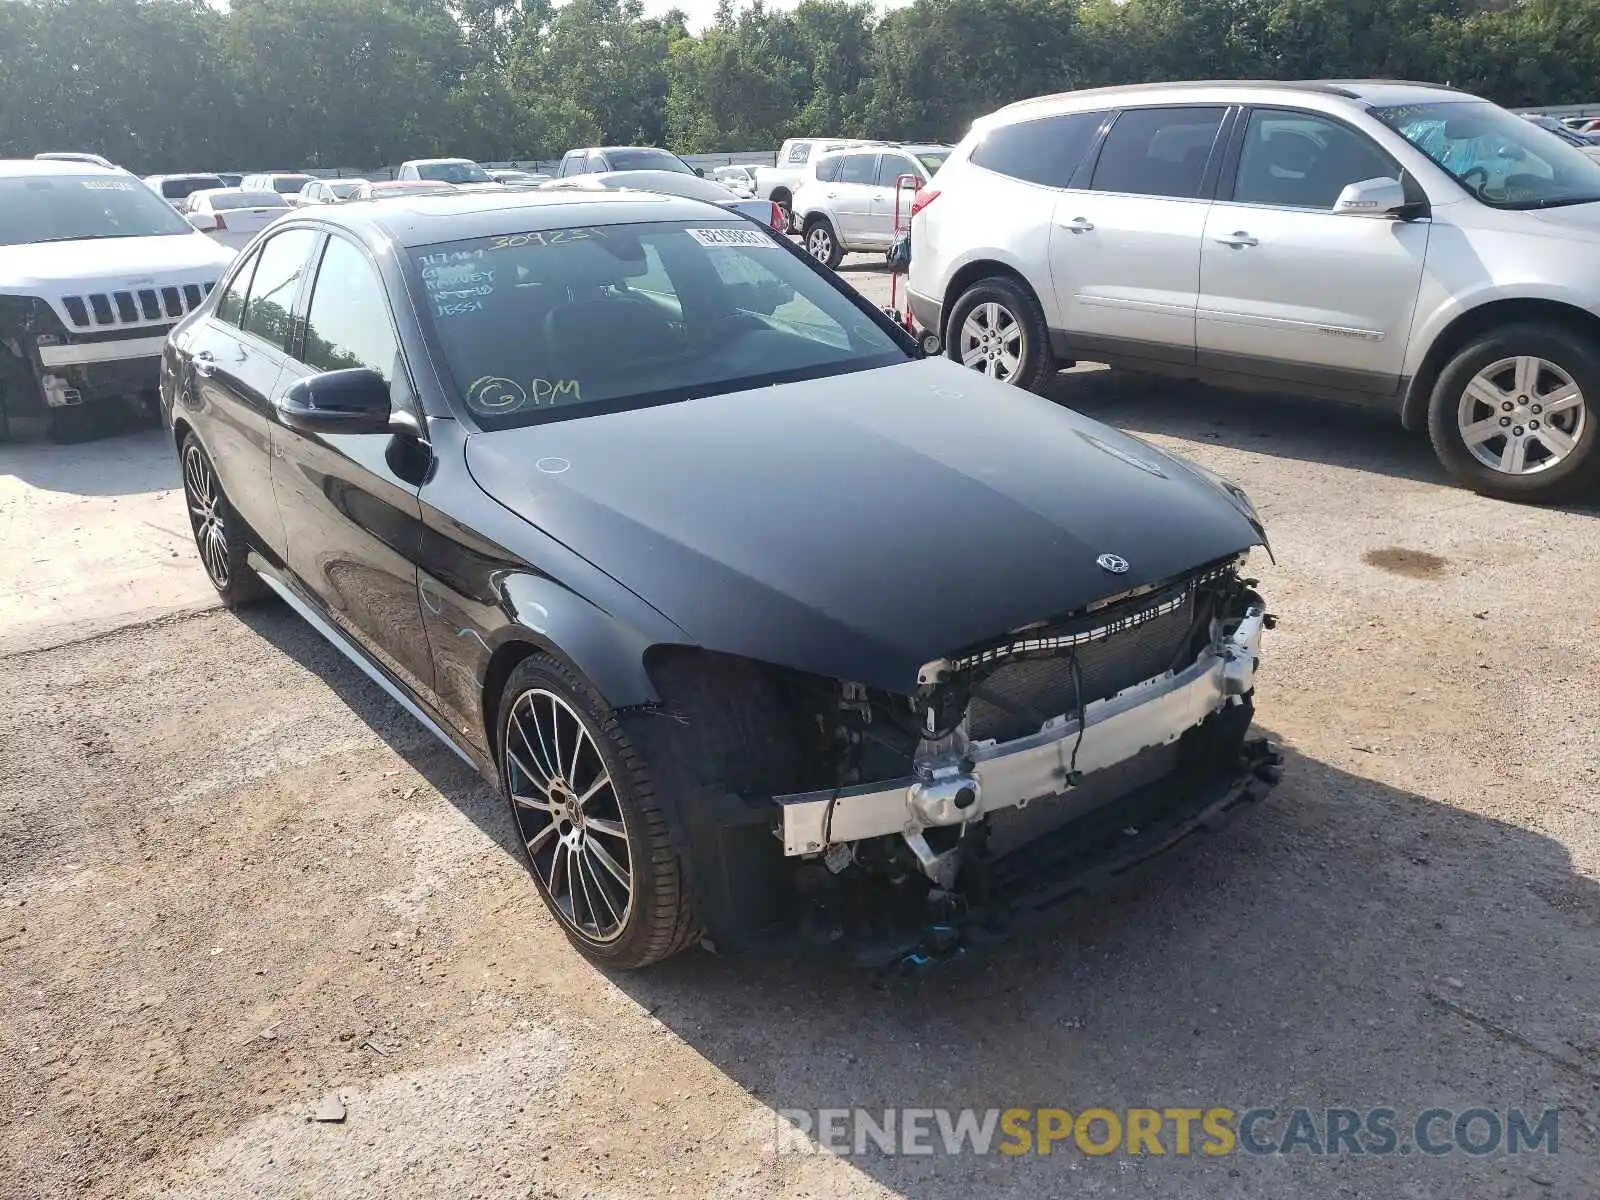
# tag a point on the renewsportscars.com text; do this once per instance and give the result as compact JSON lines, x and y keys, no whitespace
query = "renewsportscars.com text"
{"x":1179,"y":1132}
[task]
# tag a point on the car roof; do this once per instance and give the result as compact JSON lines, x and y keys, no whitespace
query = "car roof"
{"x":425,"y":162}
{"x":1378,"y":93}
{"x":23,"y":167}
{"x":424,"y":220}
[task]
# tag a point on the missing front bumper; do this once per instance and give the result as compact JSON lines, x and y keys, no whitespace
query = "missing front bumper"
{"x":1012,"y":774}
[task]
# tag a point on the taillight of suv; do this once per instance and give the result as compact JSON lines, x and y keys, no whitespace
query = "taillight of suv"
{"x":923,"y":198}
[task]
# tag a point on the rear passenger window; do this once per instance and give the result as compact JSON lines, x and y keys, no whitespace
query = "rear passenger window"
{"x":269,"y":311}
{"x":828,"y":169}
{"x":1158,"y":151}
{"x":1045,"y":151}
{"x":857,"y":168}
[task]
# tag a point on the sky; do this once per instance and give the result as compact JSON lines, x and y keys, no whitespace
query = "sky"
{"x":701,"y":12}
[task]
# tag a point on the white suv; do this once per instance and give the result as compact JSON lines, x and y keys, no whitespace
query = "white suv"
{"x":1393,"y":244}
{"x":846,"y":202}
{"x":95,"y":268}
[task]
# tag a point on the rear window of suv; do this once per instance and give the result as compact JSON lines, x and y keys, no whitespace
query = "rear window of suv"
{"x":1045,"y":151}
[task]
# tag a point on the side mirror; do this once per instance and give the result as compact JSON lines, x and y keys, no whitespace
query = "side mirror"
{"x":1371,"y":198}
{"x":700,"y":171}
{"x":204,"y":222}
{"x":349,"y":401}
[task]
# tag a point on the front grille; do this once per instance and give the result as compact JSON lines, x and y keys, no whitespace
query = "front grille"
{"x":1015,"y":698}
{"x":134,"y":308}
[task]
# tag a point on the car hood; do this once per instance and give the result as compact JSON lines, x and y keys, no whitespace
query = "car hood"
{"x":861,"y":525}
{"x":1581,"y":221}
{"x":108,"y":264}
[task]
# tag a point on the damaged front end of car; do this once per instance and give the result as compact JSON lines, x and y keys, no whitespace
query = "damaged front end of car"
{"x":1019,"y":772}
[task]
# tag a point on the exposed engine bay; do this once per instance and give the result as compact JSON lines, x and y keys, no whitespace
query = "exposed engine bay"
{"x":1045,"y":730}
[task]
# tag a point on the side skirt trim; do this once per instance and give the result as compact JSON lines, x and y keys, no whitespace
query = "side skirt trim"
{"x":342,"y":644}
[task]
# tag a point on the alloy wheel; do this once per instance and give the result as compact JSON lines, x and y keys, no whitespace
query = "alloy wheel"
{"x":991,"y":341}
{"x":1521,"y":415}
{"x":205,"y":515}
{"x":819,"y":244}
{"x":568,"y":815}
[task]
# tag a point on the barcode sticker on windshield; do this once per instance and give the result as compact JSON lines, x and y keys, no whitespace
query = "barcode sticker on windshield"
{"x":731,"y":237}
{"x":107,"y":185}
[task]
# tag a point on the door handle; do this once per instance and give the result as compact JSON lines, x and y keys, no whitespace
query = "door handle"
{"x":833,"y":195}
{"x":205,"y":364}
{"x":1239,"y":239}
{"x":1078,"y":225}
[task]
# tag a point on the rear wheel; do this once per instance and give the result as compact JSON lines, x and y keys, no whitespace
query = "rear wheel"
{"x":218,"y":533}
{"x":998,"y":330}
{"x":822,"y":243}
{"x":1513,"y":414}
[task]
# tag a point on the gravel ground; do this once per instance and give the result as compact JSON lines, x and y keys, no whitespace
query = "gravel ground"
{"x":237,"y":884}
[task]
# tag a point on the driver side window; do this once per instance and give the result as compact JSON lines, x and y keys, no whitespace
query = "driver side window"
{"x":1300,"y":160}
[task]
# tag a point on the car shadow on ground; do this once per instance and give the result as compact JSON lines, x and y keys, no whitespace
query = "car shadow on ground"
{"x":1295,"y":427}
{"x":119,"y":464}
{"x":1347,"y":944}
{"x":1344,"y":435}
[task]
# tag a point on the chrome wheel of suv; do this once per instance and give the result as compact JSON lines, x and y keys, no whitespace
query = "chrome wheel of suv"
{"x":991,"y":341}
{"x":822,"y":243}
{"x":1521,"y":415}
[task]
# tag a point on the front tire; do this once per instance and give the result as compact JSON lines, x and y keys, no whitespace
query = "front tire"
{"x":1514,"y":416}
{"x":822,"y":243}
{"x":593,"y":836}
{"x":998,"y":330}
{"x":219,"y":534}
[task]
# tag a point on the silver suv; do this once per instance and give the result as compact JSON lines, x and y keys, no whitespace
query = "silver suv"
{"x":1393,"y":244}
{"x":847,"y":201}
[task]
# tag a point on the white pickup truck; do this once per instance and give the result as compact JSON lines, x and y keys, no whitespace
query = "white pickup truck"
{"x":795,"y":156}
{"x":94,"y":270}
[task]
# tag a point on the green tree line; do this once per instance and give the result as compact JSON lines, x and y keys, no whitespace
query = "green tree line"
{"x":281,"y":84}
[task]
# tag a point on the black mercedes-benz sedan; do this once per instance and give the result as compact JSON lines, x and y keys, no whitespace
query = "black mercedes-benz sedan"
{"x":766,"y":624}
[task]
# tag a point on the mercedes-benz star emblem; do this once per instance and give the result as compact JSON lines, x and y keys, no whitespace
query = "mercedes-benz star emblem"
{"x":1114,"y":563}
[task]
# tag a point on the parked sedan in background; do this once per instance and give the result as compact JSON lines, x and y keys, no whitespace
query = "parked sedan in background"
{"x":460,"y":172}
{"x":285,"y":183}
{"x":232,"y":216}
{"x":683,"y":545}
{"x":672,"y":183}
{"x":175,"y":188}
{"x":741,"y":181}
{"x":327,"y":191}
{"x":848,"y":202}
{"x":384,"y":189}
{"x":596,"y":160}
{"x":1588,"y":143}
{"x":511,"y":177}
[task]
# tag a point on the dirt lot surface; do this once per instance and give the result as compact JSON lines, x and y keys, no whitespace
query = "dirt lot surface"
{"x":238,"y":884}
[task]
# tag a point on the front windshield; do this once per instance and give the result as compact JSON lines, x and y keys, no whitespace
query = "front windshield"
{"x":647,"y":159}
{"x":566,"y":323}
{"x":285,"y":184}
{"x":343,"y":190}
{"x":1501,"y":159}
{"x":454,"y":172}
{"x":62,"y":208}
